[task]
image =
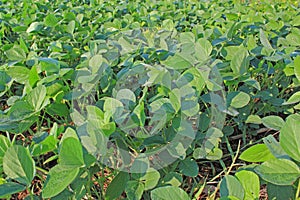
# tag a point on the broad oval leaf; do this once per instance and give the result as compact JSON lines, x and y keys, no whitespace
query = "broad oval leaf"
{"x":10,"y":188}
{"x":134,"y":190}
{"x":203,"y":49}
{"x":48,"y":144}
{"x":254,"y":119}
{"x":4,"y":145}
{"x":278,"y":171}
{"x":18,"y":164}
{"x":19,"y":73}
{"x":169,"y":192}
{"x":264,"y":40}
{"x":238,"y":99}
{"x":58,"y":179}
{"x":239,"y":63}
{"x":127,"y":97}
{"x":289,"y":137}
{"x":297,"y":67}
{"x":273,"y":122}
{"x":71,"y":154}
{"x":280,"y":191}
{"x":177,"y":62}
{"x":113,"y":106}
{"x":34,"y":26}
{"x":150,"y":179}
{"x":230,"y":186}
{"x":275,"y":147}
{"x":173,"y":178}
{"x":295,"y":98}
{"x":117,"y":186}
{"x":257,"y":153}
{"x":215,"y":154}
{"x":36,"y":97}
{"x":50,"y":20}
{"x":189,"y":167}
{"x":250,"y":183}
{"x":16,"y":54}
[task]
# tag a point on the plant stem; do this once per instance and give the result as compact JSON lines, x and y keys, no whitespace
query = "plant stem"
{"x":298,"y":191}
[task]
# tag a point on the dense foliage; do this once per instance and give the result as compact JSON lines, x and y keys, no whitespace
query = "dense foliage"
{"x":149,"y":99}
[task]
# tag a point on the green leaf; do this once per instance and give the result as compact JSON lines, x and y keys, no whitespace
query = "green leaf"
{"x":36,"y":97}
{"x":127,"y":97}
{"x":168,"y":24}
{"x":16,"y":54}
{"x":95,"y":63}
{"x":229,"y":198}
{"x":238,"y":99}
{"x":59,"y":177}
{"x":190,"y":107}
{"x":296,"y":21}
{"x":94,"y":114}
{"x":257,"y":153}
{"x":231,"y":51}
{"x":209,"y":147}
{"x":139,"y":115}
{"x":275,"y":147}
{"x":70,"y":27}
{"x":230,"y":186}
{"x":169,"y":192}
{"x":215,"y":154}
{"x":93,"y":139}
{"x":177,"y":62}
{"x":51,"y":20}
{"x":203,"y":49}
{"x":126,"y":46}
{"x":117,"y":186}
{"x":254,"y":119}
{"x":19,"y":74}
{"x":70,"y":153}
{"x":10,"y":188}
{"x":273,"y":122}
{"x":252,"y":82}
{"x":297,"y":67}
{"x":4,"y":145}
{"x":18,"y":164}
{"x":295,"y":98}
{"x":213,"y":136}
{"x":251,"y":42}
{"x":289,"y":137}
{"x":278,"y":171}
{"x":239,"y":63}
{"x":70,"y":132}
{"x":23,"y":45}
{"x":189,"y":167}
{"x":134,"y":190}
{"x":48,"y":144}
{"x":263,"y":39}
{"x":199,"y":153}
{"x":187,"y":37}
{"x":175,"y":99}
{"x":140,"y":164}
{"x":280,"y":191}
{"x":173,"y":178}
{"x":49,"y":65}
{"x":34,"y":26}
{"x":150,"y":179}
{"x":65,"y":194}
{"x":108,"y":128}
{"x":250,"y":183}
{"x":33,"y":76}
{"x":59,"y":109}
{"x":113,"y":106}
